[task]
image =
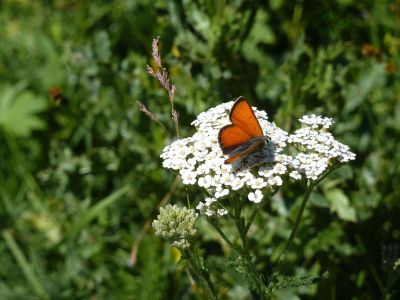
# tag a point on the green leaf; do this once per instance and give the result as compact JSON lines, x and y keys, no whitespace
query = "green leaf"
{"x":372,"y":78}
{"x":95,"y":210}
{"x":292,"y":281}
{"x":340,"y":204}
{"x":19,"y":110}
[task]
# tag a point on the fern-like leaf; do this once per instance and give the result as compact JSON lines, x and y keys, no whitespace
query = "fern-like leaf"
{"x":19,"y":110}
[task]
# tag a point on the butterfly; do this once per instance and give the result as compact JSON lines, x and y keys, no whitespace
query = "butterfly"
{"x":57,"y":95}
{"x":244,"y":136}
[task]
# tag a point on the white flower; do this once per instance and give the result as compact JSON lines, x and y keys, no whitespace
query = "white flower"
{"x":222,"y":212}
{"x":221,"y":193}
{"x":200,"y":160}
{"x":258,"y":183}
{"x":209,"y":208}
{"x":255,"y":197}
{"x":295,"y":175}
{"x":205,"y":181}
{"x":188,"y":176}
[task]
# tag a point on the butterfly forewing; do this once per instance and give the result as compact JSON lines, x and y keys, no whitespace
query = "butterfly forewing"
{"x":231,"y":137}
{"x":242,"y":116}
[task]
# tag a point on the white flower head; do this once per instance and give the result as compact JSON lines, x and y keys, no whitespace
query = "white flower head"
{"x":199,"y":158}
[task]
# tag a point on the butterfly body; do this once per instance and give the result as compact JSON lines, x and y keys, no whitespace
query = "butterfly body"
{"x":244,"y":136}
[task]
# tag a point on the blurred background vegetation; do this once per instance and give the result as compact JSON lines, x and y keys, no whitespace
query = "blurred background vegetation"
{"x":81,"y":177}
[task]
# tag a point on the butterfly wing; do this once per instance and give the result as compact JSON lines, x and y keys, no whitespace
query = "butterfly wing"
{"x":231,"y":159}
{"x":230,"y":137}
{"x":245,"y":149}
{"x":242,"y":116}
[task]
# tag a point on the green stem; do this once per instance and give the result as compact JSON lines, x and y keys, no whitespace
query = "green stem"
{"x":374,"y":272}
{"x":391,"y":280}
{"x":282,"y":256}
{"x":22,"y":170}
{"x":257,"y":291}
{"x":223,"y":236}
{"x":26,"y":267}
{"x":243,"y":251}
{"x":251,"y":219}
{"x":202,"y":274}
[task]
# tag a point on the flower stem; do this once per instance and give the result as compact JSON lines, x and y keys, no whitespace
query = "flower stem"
{"x":251,"y":219}
{"x":223,"y":236}
{"x":282,"y":256}
{"x":203,"y":274}
{"x":257,"y":288}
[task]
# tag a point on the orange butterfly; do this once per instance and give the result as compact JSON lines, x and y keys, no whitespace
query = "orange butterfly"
{"x":56,"y":94}
{"x":244,"y":136}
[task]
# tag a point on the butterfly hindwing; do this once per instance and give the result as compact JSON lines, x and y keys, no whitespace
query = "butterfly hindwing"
{"x":243,"y":150}
{"x":231,"y":159}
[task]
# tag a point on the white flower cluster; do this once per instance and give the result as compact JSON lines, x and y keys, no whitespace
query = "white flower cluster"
{"x":316,"y":122}
{"x":200,"y":160}
{"x":209,"y":208}
{"x":176,"y":224}
{"x":322,"y":143}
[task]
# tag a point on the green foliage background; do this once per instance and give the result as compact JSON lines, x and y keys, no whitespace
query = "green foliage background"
{"x":79,"y":179}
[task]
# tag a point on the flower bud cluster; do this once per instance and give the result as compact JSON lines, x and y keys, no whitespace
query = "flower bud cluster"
{"x":176,"y":224}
